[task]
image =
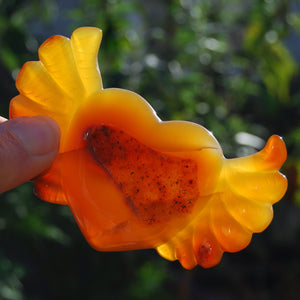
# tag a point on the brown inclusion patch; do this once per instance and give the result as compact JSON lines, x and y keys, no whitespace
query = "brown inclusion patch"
{"x":157,"y":186}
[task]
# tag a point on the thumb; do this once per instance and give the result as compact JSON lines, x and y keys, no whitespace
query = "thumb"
{"x":28,"y":146}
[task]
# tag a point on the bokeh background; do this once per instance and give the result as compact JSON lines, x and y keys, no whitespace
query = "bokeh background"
{"x":230,"y":65}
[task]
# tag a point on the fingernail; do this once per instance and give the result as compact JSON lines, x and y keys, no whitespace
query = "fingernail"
{"x":39,"y":135}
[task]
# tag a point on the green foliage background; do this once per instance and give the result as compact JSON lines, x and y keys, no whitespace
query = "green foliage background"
{"x":232,"y":66}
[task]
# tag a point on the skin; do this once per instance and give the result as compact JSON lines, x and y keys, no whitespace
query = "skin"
{"x":28,"y":146}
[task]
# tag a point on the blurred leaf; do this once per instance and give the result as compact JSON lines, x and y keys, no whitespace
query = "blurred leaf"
{"x":294,"y":20}
{"x":151,"y":277}
{"x":10,"y":279}
{"x":278,"y":68}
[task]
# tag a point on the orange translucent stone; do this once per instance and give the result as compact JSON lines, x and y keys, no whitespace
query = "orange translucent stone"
{"x":133,"y":181}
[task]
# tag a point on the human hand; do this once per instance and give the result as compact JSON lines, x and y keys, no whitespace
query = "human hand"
{"x":28,"y":146}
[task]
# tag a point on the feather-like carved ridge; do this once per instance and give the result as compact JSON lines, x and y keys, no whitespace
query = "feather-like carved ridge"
{"x":241,"y":205}
{"x":65,"y":76}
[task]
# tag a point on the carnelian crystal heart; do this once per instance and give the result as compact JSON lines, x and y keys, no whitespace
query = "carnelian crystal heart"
{"x":133,"y":181}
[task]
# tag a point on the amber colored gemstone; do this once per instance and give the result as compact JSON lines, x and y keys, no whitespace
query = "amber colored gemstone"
{"x":133,"y":181}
